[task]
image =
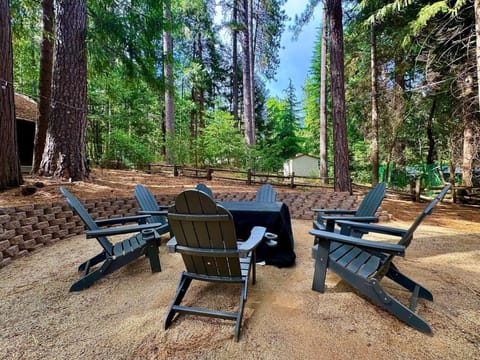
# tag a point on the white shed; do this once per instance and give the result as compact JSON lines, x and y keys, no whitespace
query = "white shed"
{"x":301,"y":165}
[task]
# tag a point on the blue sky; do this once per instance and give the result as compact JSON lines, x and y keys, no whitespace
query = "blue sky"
{"x":295,"y":56}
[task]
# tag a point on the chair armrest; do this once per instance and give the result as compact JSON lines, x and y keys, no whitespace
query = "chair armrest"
{"x":335,"y":211}
{"x":383,"y":247}
{"x":373,"y":228}
{"x":122,"y":220}
{"x":366,"y":219}
{"x":256,"y":237}
{"x":154,"y":212}
{"x":124,"y":230}
{"x":172,"y":245}
{"x":318,"y":225}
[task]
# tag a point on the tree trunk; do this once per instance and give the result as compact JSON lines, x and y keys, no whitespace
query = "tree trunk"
{"x":323,"y":101}
{"x":247,"y":100}
{"x":10,"y":171}
{"x":469,"y":149}
{"x":374,"y":84}
{"x":64,"y":155}
{"x":235,"y":65}
{"x":343,"y":181}
{"x":169,"y":81}
{"x":476,"y":5}
{"x":431,"y":139}
{"x":251,"y":50}
{"x":45,"y":84}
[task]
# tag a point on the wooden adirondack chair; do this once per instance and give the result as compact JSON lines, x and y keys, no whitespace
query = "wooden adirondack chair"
{"x":363,"y":263}
{"x":148,"y":205}
{"x":114,"y":256}
{"x":205,"y":189}
{"x":266,"y":193}
{"x":205,"y":236}
{"x":365,"y":212}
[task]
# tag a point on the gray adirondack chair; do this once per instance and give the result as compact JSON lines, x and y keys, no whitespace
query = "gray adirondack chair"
{"x":149,"y":205}
{"x":365,"y":212}
{"x":114,"y":256}
{"x":363,"y":263}
{"x":205,"y":236}
{"x":205,"y":189}
{"x":266,"y":193}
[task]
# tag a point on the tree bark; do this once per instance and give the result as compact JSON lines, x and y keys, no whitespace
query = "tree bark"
{"x":247,"y":99}
{"x":251,"y":50}
{"x":169,"y":80}
{"x":323,"y":166}
{"x":343,"y":181}
{"x":476,"y":5}
{"x":45,"y":84}
{"x":65,"y":147}
{"x":431,"y":139}
{"x":235,"y":65}
{"x":374,"y":85}
{"x":10,"y":171}
{"x":469,"y":149}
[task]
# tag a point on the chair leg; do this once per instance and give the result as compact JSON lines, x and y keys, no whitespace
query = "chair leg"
{"x":395,"y":275}
{"x":152,"y":252}
{"x":182,"y":288}
{"x":84,"y":268}
{"x":87,"y":280}
{"x":238,"y":322}
{"x":406,"y":315}
{"x":321,"y":264}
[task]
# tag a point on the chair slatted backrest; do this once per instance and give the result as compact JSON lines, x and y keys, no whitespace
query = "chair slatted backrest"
{"x":147,"y":202}
{"x":199,"y":223}
{"x":372,"y":200}
{"x":407,"y":238}
{"x":266,"y":193}
{"x":80,"y":210}
{"x":205,"y":189}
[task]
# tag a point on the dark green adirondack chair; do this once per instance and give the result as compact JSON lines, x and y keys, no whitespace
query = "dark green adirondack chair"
{"x":205,"y":189}
{"x":205,"y":236}
{"x":266,"y":193}
{"x":365,"y":212}
{"x":148,"y":205}
{"x":114,"y":256}
{"x":363,"y":263}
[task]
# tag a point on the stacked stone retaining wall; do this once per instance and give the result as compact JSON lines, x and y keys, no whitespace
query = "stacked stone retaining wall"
{"x":27,"y":228}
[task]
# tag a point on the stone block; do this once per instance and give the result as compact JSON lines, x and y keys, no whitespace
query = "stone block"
{"x":21,"y":253}
{"x":29,"y":221}
{"x":7,"y":234}
{"x":11,"y":251}
{"x":32,"y":235}
{"x":4,"y":219}
{"x":4,"y":244}
{"x":60,"y":234}
{"x":44,"y":239}
{"x":18,"y":216}
{"x":46,"y":217}
{"x":27,"y":245}
{"x":58,"y":222}
{"x":50,"y":229}
{"x":16,"y":240}
{"x":41,"y":225}
{"x":27,"y":207}
{"x":5,"y":262}
{"x":12,"y":225}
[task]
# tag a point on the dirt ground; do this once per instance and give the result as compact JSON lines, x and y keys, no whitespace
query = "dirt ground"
{"x":121,"y":316}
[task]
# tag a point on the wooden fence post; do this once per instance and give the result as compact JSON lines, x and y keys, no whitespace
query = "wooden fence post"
{"x":209,"y":173}
{"x":249,"y":177}
{"x":175,"y":170}
{"x":292,"y":180}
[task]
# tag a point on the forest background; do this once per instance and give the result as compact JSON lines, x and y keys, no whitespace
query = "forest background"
{"x":140,"y":81}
